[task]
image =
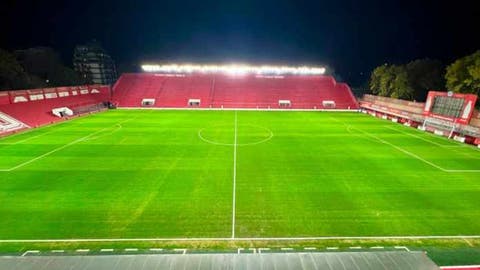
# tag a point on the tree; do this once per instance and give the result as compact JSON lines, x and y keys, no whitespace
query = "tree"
{"x":386,"y":81}
{"x":378,"y":84}
{"x":463,"y":75}
{"x":35,"y":68}
{"x":12,"y":74}
{"x":400,"y":85}
{"x":391,"y":81}
{"x":410,"y":81}
{"x":425,"y":75}
{"x":46,"y":64}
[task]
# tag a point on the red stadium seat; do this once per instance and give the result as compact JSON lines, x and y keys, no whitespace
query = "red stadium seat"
{"x":39,"y":112}
{"x":218,"y":90}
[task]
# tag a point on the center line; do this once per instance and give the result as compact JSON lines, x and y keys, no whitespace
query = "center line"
{"x":234,"y":175}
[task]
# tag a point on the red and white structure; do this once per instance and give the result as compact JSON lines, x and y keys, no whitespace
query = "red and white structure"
{"x":232,"y":86}
{"x":182,"y":86}
{"x":8,"y":124}
{"x":445,"y":114}
{"x":465,"y":105}
{"x":21,"y":109}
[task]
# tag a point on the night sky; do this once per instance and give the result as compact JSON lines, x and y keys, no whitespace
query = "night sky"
{"x":351,"y":36}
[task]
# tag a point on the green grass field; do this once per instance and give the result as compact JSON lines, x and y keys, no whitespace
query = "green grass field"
{"x":177,"y":174}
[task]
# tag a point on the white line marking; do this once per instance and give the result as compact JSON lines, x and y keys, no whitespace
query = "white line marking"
{"x":355,"y":247}
{"x":30,"y":251}
{"x":27,"y":139}
{"x":118,"y":127}
{"x":183,"y":250}
{"x":262,"y":249}
{"x":131,"y":249}
{"x":253,"y":249}
{"x":200,"y":239}
{"x":239,"y":250}
{"x":310,"y":248}
{"x":270,"y":136}
{"x":156,"y":249}
{"x":405,"y":151}
{"x":416,"y":156}
{"x":58,"y":149}
{"x":286,"y":249}
{"x":377,"y":247}
{"x":43,"y":127}
{"x":58,"y":251}
{"x":412,"y":154}
{"x":418,"y":137}
{"x":48,"y":153}
{"x":460,"y":267}
{"x":453,"y":147}
{"x":402,"y":247}
{"x":106,"y":250}
{"x":83,"y":250}
{"x":401,"y":150}
{"x":25,"y":131}
{"x":332,"y":248}
{"x":234,"y":176}
{"x":462,"y":171}
{"x":236,"y":109}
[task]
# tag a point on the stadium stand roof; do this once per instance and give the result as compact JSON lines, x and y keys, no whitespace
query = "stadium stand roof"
{"x":327,"y":260}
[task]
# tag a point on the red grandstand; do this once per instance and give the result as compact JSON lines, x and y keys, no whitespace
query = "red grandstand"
{"x":445,"y":114}
{"x":30,"y":108}
{"x":216,"y":90}
{"x":239,"y":87}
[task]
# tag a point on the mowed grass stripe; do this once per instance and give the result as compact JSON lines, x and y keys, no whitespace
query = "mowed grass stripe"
{"x":155,"y":178}
{"x":315,"y":178}
{"x":89,"y":136}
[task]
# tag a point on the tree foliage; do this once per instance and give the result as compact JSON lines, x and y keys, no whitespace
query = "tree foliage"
{"x":391,"y":81}
{"x":46,"y":64}
{"x":410,"y":81}
{"x":35,"y":68}
{"x":12,"y":74}
{"x":425,"y":75}
{"x":463,"y":75}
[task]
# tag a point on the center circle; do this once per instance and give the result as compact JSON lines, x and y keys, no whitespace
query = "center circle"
{"x":225,"y":135}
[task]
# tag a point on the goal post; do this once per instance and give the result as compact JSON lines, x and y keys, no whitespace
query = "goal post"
{"x":284,"y":103}
{"x":329,"y":104}
{"x":194,"y":102}
{"x":148,"y":102}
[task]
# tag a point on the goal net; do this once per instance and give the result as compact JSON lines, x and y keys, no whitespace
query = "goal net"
{"x":329,"y":104}
{"x":148,"y":102}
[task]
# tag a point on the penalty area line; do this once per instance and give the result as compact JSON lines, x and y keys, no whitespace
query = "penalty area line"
{"x":49,"y":153}
{"x":419,"y":237}
{"x":407,"y":152}
{"x":417,"y":157}
{"x":60,"y":148}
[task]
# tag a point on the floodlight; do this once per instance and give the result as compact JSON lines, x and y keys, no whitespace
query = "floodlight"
{"x":234,"y":69}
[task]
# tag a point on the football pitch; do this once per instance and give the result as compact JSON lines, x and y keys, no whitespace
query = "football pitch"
{"x":167,"y":174}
